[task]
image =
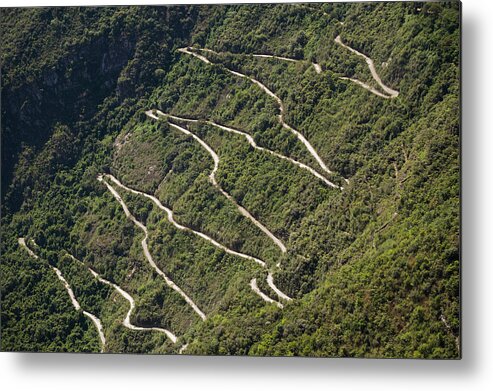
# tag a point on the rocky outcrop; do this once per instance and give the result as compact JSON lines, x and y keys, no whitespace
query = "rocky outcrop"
{"x":68,"y":91}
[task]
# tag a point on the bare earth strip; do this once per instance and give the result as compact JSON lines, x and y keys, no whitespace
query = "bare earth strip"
{"x":147,"y":254}
{"x":99,"y":327}
{"x":449,"y":329}
{"x":171,"y":219}
{"x":317,"y":67}
{"x":300,"y":137}
{"x":126,"y":296}
{"x":392,"y":93}
{"x":255,"y":288}
{"x":126,"y":321}
{"x":252,"y":142}
{"x":212,"y":178}
{"x":270,"y":281}
{"x":73,"y":299}
{"x":253,"y":283}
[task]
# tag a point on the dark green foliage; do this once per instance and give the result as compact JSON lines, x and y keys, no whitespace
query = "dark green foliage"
{"x":37,"y":314}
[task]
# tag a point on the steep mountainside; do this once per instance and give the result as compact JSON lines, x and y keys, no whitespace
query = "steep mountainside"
{"x":243,"y":179}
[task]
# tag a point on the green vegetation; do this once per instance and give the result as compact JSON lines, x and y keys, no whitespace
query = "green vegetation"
{"x":373,"y":269}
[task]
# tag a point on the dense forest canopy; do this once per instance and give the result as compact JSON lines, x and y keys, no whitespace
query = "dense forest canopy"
{"x":275,"y":179}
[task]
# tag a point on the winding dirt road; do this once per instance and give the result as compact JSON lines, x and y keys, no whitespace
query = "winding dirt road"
{"x":317,"y":67}
{"x":73,"y":299}
{"x":270,"y":281}
{"x":252,"y":142}
{"x":366,"y":87}
{"x":212,"y":178}
{"x":126,"y":321}
{"x":99,"y":327}
{"x":171,"y":219}
{"x":255,"y":288}
{"x":147,"y":254}
{"x":391,"y":92}
{"x":300,"y":137}
{"x":22,"y":243}
{"x":126,"y":296}
{"x":215,"y":243}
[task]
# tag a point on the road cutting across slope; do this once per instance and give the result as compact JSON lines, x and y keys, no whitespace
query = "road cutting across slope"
{"x":73,"y":299}
{"x":215,"y":243}
{"x":316,"y":66}
{"x":280,"y":103}
{"x":212,"y":178}
{"x":255,"y":288}
{"x":367,"y":87}
{"x":252,"y":142}
{"x":270,"y":281}
{"x":147,"y":254}
{"x":126,"y":296}
{"x":126,"y":322}
{"x":171,"y":219}
{"x":391,"y":92}
{"x":318,"y":69}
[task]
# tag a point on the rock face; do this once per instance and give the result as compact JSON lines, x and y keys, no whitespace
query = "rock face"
{"x":67,"y":92}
